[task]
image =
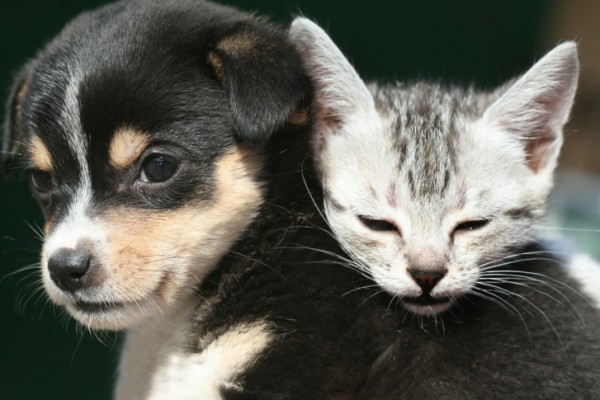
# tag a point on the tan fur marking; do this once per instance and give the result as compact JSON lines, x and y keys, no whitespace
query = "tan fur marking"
{"x":238,"y":43}
{"x":300,"y":117}
{"x":217,"y":65}
{"x":126,"y":146}
{"x":40,"y":156}
{"x":159,"y":254}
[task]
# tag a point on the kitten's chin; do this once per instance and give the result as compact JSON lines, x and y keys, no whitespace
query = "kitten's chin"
{"x":427,"y":307}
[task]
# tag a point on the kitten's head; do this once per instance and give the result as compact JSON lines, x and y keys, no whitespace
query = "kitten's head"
{"x":427,"y":187}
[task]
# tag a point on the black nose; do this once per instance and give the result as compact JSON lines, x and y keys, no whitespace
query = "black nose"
{"x":68,"y":268}
{"x":427,"y":278}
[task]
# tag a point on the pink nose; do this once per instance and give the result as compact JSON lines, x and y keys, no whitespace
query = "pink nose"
{"x":427,"y":278}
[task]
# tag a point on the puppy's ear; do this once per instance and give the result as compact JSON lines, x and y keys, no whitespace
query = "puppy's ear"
{"x":12,"y":141}
{"x":263,"y":79}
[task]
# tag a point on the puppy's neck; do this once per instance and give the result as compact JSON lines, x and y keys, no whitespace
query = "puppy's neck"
{"x":150,"y":345}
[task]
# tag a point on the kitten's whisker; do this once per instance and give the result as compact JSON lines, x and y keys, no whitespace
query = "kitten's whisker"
{"x":309,"y":191}
{"x":256,"y":261}
{"x":527,"y":301}
{"x":360,"y":288}
{"x":372,"y":295}
{"x":502,"y":303}
{"x":521,"y":283}
{"x":519,"y":258}
{"x":564,"y":229}
{"x":519,"y":278}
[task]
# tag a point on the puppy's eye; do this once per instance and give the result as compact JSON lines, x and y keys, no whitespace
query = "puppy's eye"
{"x":379,"y":225}
{"x":41,"y":181}
{"x":471,"y":225}
{"x":158,"y":168}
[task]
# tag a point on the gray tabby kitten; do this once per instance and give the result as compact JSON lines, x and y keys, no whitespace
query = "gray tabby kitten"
{"x":434,"y":193}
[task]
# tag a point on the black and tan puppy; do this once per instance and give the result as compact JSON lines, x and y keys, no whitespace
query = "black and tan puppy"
{"x":159,"y":141}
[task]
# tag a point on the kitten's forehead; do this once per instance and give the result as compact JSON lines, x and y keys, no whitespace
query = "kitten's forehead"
{"x":426,"y":124}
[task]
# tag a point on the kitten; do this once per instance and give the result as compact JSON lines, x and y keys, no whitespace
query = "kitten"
{"x":434,"y":193}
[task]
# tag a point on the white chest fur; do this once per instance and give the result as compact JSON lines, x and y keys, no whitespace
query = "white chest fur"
{"x":155,"y":366}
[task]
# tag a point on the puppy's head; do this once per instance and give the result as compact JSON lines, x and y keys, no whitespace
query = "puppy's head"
{"x":141,"y":129}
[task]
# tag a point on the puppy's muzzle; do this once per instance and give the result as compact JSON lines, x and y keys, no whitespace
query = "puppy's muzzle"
{"x":72,"y":269}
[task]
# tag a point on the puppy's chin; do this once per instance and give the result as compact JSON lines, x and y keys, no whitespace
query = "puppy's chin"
{"x":113,"y":316}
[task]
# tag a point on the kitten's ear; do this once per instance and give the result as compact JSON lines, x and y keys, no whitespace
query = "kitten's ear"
{"x":12,"y":138}
{"x":263,"y":79}
{"x":339,"y":91}
{"x":537,"y":106}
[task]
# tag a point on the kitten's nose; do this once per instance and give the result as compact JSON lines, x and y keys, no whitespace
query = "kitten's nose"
{"x":427,"y":278}
{"x":68,"y":268}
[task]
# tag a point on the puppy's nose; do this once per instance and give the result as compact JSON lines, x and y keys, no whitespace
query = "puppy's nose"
{"x":68,"y":268}
{"x":427,"y":278}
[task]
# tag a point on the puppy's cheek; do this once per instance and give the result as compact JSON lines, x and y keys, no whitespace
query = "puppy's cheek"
{"x":162,"y":254}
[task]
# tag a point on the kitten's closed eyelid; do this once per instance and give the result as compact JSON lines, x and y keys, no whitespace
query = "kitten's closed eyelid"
{"x":378,"y":225}
{"x":470,"y":225}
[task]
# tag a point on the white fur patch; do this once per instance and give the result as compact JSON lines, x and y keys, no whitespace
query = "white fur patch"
{"x":586,"y":271}
{"x":77,"y":225}
{"x":155,"y":368}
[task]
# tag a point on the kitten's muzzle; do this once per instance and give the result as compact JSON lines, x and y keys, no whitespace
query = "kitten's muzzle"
{"x":72,"y":269}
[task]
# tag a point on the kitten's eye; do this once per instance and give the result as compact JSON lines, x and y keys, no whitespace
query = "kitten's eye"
{"x":379,"y":225}
{"x":471,"y":225}
{"x":41,"y":181}
{"x":158,"y":168}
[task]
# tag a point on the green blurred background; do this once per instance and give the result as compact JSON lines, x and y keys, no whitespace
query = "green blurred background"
{"x":43,"y":355}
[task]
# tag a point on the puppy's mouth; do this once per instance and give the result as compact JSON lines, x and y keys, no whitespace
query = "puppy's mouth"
{"x":426,"y":305}
{"x":102,"y":312}
{"x":97,"y":307}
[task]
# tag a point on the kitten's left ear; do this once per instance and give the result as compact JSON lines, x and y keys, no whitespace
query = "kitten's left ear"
{"x":537,"y":106}
{"x":339,"y":90}
{"x":263,"y":79}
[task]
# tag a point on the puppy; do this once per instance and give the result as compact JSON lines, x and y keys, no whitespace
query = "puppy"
{"x":163,"y":142}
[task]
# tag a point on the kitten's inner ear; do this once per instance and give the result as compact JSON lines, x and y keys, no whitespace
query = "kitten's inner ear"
{"x":339,"y":90}
{"x":263,"y":79}
{"x":536,"y":108}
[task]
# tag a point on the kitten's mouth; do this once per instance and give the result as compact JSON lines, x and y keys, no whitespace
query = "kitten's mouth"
{"x":425,"y":300}
{"x":426,"y":305}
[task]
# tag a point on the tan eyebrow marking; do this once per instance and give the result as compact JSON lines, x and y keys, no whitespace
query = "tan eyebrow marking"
{"x":40,"y":155}
{"x":126,"y":147}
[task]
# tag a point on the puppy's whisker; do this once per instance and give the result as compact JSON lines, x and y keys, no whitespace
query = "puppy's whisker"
{"x":24,"y":269}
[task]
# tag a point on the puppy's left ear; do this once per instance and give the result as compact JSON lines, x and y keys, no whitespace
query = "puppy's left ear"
{"x":12,"y":138}
{"x":263,"y":78}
